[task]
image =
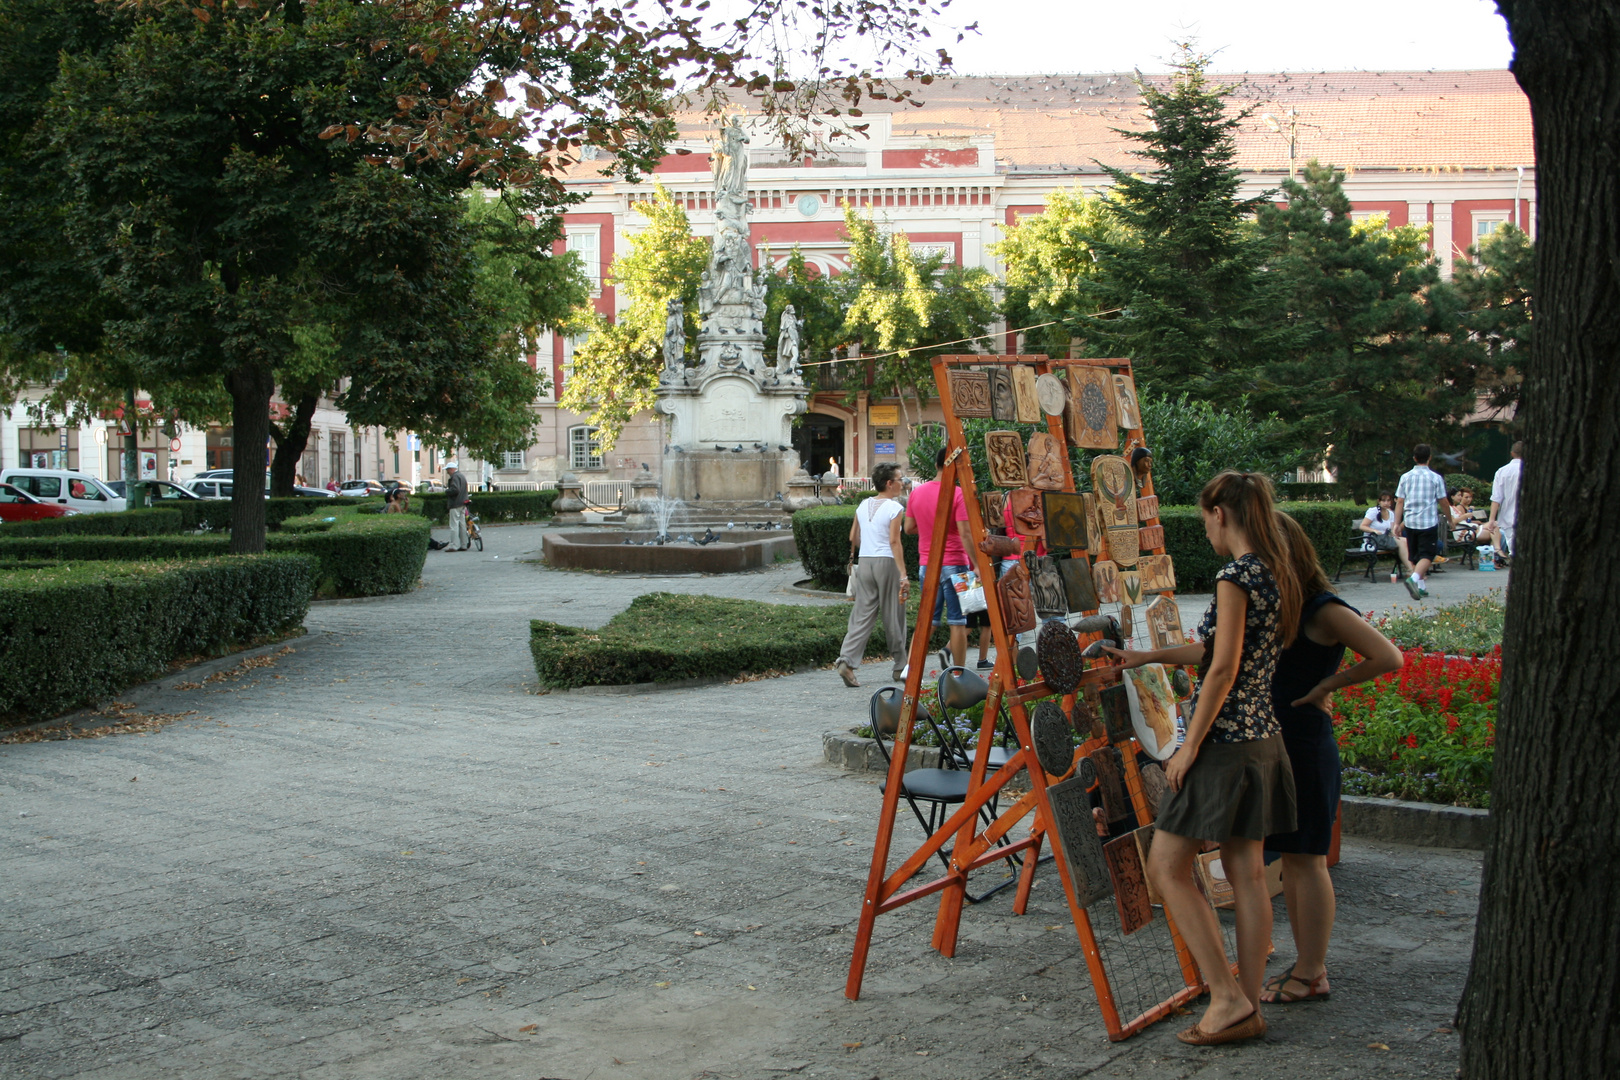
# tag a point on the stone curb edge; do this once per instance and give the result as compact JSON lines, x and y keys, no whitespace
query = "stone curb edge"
{"x":1417,"y":823}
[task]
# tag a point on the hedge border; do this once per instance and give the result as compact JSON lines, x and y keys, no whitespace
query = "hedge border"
{"x":490,"y":506}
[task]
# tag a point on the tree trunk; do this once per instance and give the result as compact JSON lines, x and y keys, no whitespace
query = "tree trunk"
{"x":1543,"y":994}
{"x":250,"y":387}
{"x":290,"y":446}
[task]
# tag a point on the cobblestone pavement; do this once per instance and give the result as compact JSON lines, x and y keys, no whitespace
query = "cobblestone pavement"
{"x":387,"y":856}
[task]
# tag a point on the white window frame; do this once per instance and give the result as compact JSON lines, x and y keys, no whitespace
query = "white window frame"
{"x":584,"y":451}
{"x":1495,"y":218}
{"x":587,"y":240}
{"x":513,"y":460}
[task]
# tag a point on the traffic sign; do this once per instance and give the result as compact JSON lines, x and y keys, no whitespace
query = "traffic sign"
{"x":174,"y":446}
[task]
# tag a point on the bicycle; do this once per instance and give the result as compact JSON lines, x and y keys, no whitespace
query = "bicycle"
{"x":474,"y":537}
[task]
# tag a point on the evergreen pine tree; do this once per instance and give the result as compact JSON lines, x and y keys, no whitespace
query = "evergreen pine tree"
{"x":1183,"y":274}
{"x":1496,"y":283}
{"x":1365,"y":353}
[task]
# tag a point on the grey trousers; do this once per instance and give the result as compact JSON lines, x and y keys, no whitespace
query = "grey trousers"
{"x":877,"y":591}
{"x":458,"y":527}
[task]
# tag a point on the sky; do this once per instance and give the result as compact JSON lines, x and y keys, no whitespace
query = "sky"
{"x":1051,"y":36}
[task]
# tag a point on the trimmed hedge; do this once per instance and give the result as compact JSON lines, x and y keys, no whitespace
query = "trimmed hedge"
{"x":490,"y":505}
{"x":216,"y":513}
{"x":822,"y":536}
{"x":154,"y":522}
{"x":358,"y":557}
{"x":668,"y":637}
{"x":71,"y":634}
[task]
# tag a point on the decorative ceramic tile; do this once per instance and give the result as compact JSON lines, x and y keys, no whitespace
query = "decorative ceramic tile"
{"x":1053,"y":737}
{"x":1078,"y":587}
{"x":1151,"y":536}
{"x":1096,"y":408}
{"x":1074,"y":831}
{"x":1130,"y":883}
{"x":1130,"y":414}
{"x":1046,"y":462}
{"x":1164,"y":624}
{"x":1122,"y":544}
{"x":970,"y":393}
{"x":1105,"y":575}
{"x":1094,"y":526}
{"x":994,"y":505}
{"x":1046,"y":586}
{"x":1115,"y":489}
{"x":1147,"y":508}
{"x":1065,"y":520}
{"x":1003,"y":405}
{"x":1052,"y":394}
{"x":1130,"y":588}
{"x":1027,"y":401}
{"x":1126,"y":618}
{"x":1153,"y":709}
{"x":1005,"y":451}
{"x":1116,"y":713}
{"x":1144,"y":835}
{"x":1110,"y":785}
{"x":1154,"y":785}
{"x":1158,"y":573}
{"x":1028,"y":517}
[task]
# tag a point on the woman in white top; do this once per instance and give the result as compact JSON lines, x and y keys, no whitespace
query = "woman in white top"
{"x":1378,"y":523}
{"x":880,"y":576}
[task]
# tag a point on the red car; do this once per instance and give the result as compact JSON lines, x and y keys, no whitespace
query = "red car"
{"x":18,"y":505}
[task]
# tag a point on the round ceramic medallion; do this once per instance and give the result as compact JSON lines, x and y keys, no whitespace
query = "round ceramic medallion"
{"x":1054,"y":742}
{"x":1049,"y":389}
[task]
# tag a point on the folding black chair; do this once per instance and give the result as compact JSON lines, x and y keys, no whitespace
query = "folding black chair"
{"x":960,"y":690}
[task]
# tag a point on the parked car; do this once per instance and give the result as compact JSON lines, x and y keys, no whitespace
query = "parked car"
{"x":64,"y":487}
{"x":361,"y":487}
{"x":157,"y":490}
{"x":18,"y":505}
{"x":313,"y":493}
{"x":212,"y":489}
{"x":214,"y":474}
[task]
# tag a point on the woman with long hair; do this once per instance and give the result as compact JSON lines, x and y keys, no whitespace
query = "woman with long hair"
{"x":879,"y":577}
{"x":1230,"y":781}
{"x":1301,"y":693}
{"x":1378,"y":528}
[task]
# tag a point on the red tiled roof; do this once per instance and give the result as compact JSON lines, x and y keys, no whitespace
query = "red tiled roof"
{"x":1421,"y":120}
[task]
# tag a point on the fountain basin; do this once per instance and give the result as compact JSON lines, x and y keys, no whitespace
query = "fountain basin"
{"x":605,"y":549}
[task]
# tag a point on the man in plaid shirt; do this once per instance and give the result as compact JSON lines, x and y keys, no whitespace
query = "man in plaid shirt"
{"x":1420,"y":499}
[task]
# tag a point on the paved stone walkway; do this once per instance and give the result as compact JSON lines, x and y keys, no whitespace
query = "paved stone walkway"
{"x":387,"y":856}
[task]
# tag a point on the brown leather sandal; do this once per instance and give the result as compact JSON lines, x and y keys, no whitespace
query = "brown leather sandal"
{"x":1316,"y":989}
{"x":1252,"y":1026}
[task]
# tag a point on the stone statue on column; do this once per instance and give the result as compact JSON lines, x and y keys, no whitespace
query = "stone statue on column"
{"x":787,"y":345}
{"x":674,"y":341}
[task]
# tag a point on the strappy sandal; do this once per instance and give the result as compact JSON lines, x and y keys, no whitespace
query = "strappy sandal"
{"x":1252,"y":1026}
{"x":1316,"y":989}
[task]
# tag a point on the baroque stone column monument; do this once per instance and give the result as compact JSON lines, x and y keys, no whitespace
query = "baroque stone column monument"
{"x":731,"y":416}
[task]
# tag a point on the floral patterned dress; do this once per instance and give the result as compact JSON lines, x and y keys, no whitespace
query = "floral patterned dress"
{"x":1247,"y":713}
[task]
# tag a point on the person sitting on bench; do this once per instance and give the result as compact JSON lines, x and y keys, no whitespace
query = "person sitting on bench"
{"x":1378,"y":525}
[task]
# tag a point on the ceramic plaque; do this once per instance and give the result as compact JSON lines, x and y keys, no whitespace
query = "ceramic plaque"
{"x":1130,"y":414}
{"x":1046,"y":585}
{"x":1144,"y":835}
{"x":1110,"y":785}
{"x":1126,"y":625}
{"x":1027,"y":402}
{"x":1005,"y":451}
{"x":1153,"y":709}
{"x":1096,"y":408}
{"x":1078,"y":845}
{"x":1065,"y":520}
{"x":1154,"y":786}
{"x":1158,"y":573}
{"x":1094,"y":525}
{"x":1028,"y":517}
{"x":1003,"y":406}
{"x":1017,"y":607}
{"x":1115,"y":489}
{"x":1051,"y":394}
{"x":1045,"y":462}
{"x":1130,"y":882}
{"x":1077,"y":584}
{"x":970,"y":393}
{"x":1150,"y":536}
{"x":994,"y":505}
{"x":1053,"y":738}
{"x":1147,"y":508}
{"x":1164,"y":624}
{"x":1130,"y":589}
{"x":1105,"y":575}
{"x":1116,"y":713}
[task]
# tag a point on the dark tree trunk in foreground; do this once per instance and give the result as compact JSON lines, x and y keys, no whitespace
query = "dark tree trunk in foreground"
{"x":1543,"y":994}
{"x":290,"y":445}
{"x":250,"y":387}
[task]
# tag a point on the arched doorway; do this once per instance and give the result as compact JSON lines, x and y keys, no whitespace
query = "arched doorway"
{"x":818,"y":439}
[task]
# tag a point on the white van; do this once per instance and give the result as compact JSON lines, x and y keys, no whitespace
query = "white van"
{"x":63,"y":487}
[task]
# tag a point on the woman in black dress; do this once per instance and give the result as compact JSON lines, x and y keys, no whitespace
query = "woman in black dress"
{"x":1230,"y":781}
{"x":1307,"y":675}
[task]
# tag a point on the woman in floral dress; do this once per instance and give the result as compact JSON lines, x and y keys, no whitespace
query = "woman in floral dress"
{"x":1230,"y":782}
